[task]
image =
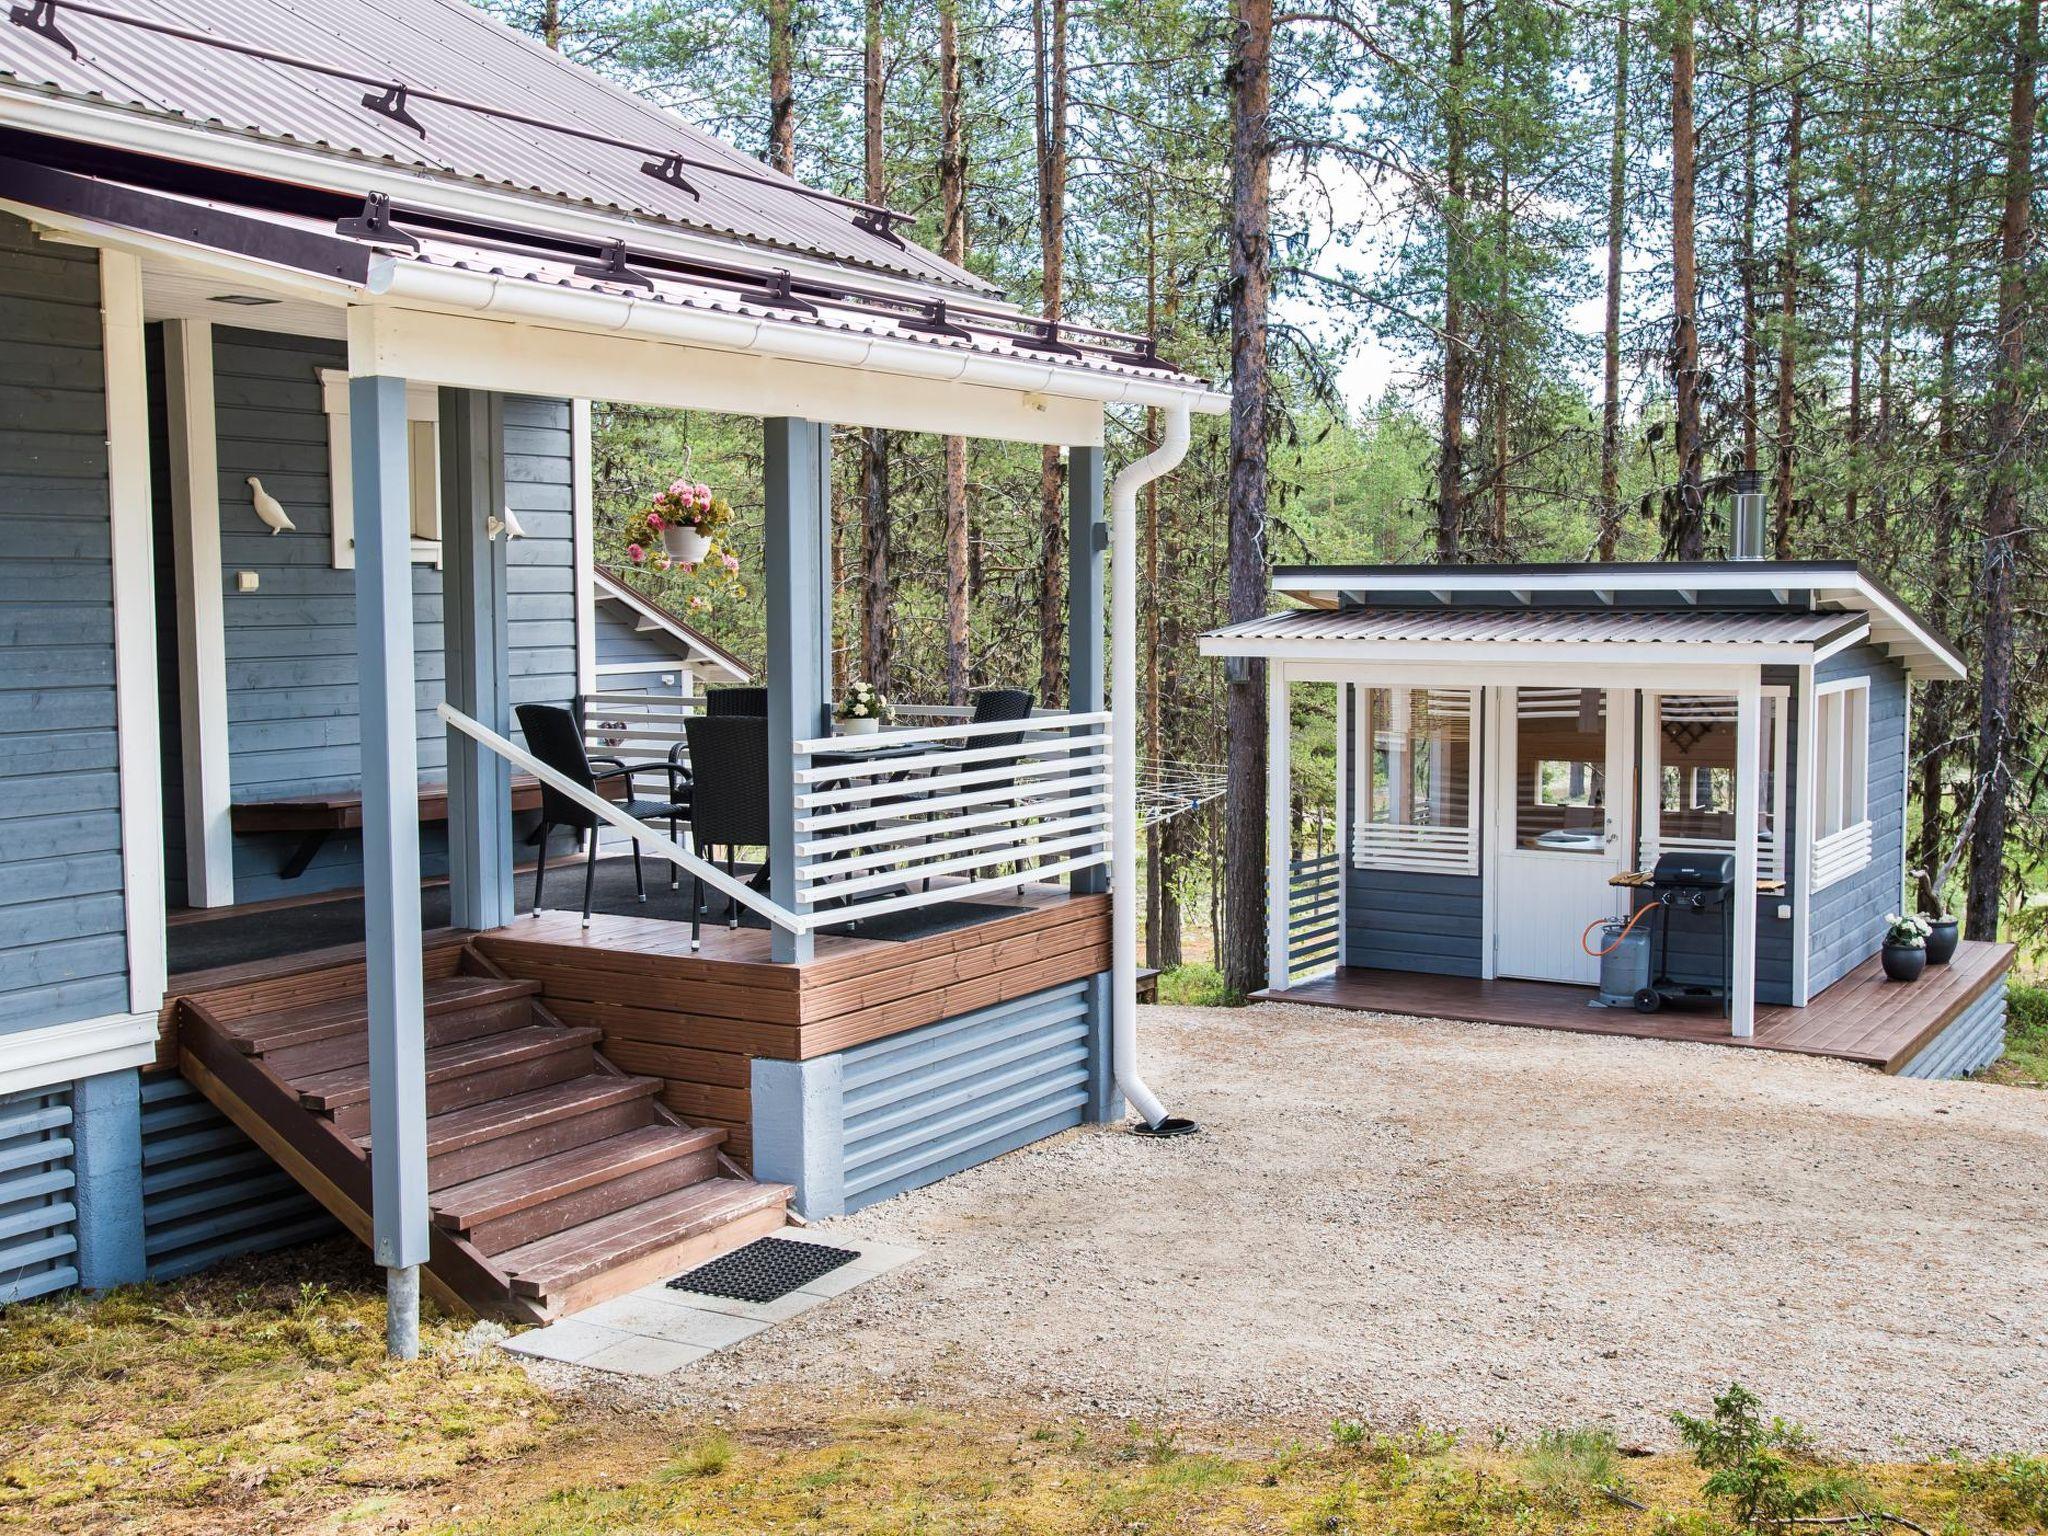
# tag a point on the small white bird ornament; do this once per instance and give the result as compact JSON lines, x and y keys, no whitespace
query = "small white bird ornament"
{"x":269,"y":509}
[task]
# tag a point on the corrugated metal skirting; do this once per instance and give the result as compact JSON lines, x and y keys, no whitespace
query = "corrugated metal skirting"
{"x":929,"y":1103}
{"x":1973,"y":1040}
{"x":38,"y":1231}
{"x":209,"y":1192}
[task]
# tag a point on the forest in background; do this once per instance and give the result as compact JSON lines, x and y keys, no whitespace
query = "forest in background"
{"x":1490,"y":279}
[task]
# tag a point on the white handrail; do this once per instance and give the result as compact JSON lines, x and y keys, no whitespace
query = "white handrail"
{"x":943,"y":733}
{"x":639,"y":831}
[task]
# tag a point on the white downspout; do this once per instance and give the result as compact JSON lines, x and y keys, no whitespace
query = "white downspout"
{"x":1123,"y":706}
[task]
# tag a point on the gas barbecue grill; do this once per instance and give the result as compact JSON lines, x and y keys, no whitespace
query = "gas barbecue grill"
{"x":1694,"y":890}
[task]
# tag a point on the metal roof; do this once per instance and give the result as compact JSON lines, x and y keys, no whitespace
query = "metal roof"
{"x":429,"y":45}
{"x":1589,"y":627}
{"x":607,"y":588}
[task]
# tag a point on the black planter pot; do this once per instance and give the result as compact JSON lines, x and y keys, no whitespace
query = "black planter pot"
{"x":1942,"y":939}
{"x":1904,"y":962}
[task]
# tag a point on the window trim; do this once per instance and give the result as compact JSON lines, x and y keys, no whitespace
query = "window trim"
{"x":422,"y":404}
{"x":1776,"y":710}
{"x":1841,"y":764}
{"x":1423,"y":849}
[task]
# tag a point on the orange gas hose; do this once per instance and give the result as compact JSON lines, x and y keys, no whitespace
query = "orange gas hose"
{"x":1640,"y":914}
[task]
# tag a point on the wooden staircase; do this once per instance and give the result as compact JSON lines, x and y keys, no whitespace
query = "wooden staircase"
{"x":556,"y":1180}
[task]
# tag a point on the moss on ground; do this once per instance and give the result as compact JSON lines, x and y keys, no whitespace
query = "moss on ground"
{"x":255,"y":1400}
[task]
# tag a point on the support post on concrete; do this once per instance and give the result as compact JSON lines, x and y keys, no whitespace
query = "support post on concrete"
{"x":391,"y":844}
{"x":1087,"y":544}
{"x":796,"y":550}
{"x":800,"y":1131}
{"x":473,"y":577}
{"x":1748,"y":799}
{"x":1279,"y":826}
{"x":106,"y":1159}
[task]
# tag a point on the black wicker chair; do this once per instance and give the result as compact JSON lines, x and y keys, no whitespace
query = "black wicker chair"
{"x":553,"y":736}
{"x":736,"y":701}
{"x":729,"y":798}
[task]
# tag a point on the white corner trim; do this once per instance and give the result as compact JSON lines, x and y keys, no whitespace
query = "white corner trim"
{"x":1802,"y":815}
{"x":583,"y":539}
{"x":60,"y":1053}
{"x":202,"y":626}
{"x":132,"y":560}
{"x":422,"y":403}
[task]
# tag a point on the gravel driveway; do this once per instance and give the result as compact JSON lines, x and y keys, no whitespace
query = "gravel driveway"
{"x":1473,"y":1226}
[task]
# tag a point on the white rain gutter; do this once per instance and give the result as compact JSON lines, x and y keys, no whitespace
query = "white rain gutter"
{"x":1123,"y":708}
{"x":514,"y":298}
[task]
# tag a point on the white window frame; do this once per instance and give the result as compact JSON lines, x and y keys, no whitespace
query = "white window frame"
{"x":1776,"y":701}
{"x":1401,"y":845}
{"x":1840,"y":814}
{"x":422,"y":408}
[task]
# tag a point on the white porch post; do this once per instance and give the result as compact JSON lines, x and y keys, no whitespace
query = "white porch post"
{"x":797,"y":548}
{"x":202,"y":610}
{"x":1279,"y":828}
{"x":382,"y":494}
{"x":1748,"y":739}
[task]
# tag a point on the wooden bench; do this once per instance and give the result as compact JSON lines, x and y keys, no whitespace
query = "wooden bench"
{"x":315,"y":818}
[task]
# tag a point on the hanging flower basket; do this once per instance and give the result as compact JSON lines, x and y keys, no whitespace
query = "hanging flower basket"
{"x":686,"y":545}
{"x":682,"y":519}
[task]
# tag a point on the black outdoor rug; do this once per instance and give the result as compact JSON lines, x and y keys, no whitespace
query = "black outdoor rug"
{"x":766,"y":1269}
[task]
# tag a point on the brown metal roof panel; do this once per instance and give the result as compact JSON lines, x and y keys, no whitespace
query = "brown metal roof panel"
{"x":438,"y":45}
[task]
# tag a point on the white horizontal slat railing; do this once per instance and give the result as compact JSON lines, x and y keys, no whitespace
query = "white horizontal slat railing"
{"x":1769,"y":864}
{"x":1841,"y":854}
{"x":989,"y":808}
{"x":1411,"y":845}
{"x":639,"y":729}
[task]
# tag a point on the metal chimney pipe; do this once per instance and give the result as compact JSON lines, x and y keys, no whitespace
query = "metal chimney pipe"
{"x":1746,"y":518}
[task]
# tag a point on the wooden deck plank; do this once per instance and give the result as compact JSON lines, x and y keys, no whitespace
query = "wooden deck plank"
{"x":1863,"y":1018}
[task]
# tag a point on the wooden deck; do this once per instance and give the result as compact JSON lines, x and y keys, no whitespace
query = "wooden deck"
{"x":696,"y":1020}
{"x":1862,"y":1018}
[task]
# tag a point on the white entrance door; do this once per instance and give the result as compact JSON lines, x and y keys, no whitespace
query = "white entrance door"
{"x":1561,"y":797}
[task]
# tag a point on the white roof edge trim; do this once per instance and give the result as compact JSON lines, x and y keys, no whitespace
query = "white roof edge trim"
{"x":1735,"y":578}
{"x":1594,"y":652}
{"x":46,"y":110}
{"x":395,"y":278}
{"x":619,"y":592}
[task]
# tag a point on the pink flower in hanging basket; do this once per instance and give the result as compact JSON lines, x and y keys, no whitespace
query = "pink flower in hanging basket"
{"x":681,"y":489}
{"x":702,"y":495}
{"x":662,"y":562}
{"x":732,"y":563}
{"x":654,"y":521}
{"x":635,"y":553}
{"x":698,"y":602}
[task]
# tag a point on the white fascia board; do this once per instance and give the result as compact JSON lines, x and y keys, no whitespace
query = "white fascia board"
{"x":1570,"y":653}
{"x":62,"y":1053}
{"x":1468,"y":673}
{"x":147,"y":132}
{"x":648,"y":618}
{"x":1849,"y":589}
{"x":1840,"y":643}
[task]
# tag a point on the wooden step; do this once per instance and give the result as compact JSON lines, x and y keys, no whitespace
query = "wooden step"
{"x":467,"y":1143}
{"x":261,"y":1033}
{"x":493,"y":1015}
{"x":522,"y":1205}
{"x":467,"y":1072}
{"x":555,"y":1268}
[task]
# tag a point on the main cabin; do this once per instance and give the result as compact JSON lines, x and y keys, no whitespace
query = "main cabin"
{"x":302,"y":311}
{"x":1517,"y":749}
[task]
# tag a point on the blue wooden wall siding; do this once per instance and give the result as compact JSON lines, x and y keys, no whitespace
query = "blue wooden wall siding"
{"x":618,"y":642}
{"x":1404,"y":920}
{"x":63,"y":950}
{"x":292,"y":726}
{"x":169,"y":720}
{"x":1847,"y":918}
{"x":38,"y":1183}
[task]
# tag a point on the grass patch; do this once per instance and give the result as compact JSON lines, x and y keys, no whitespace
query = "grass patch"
{"x":2026,"y":1037}
{"x":1571,"y":1468}
{"x":1196,"y":986}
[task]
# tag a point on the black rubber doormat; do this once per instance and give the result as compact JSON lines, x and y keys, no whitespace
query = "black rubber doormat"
{"x":766,"y":1269}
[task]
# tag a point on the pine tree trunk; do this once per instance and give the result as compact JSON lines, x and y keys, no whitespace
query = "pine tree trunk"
{"x":1617,"y":231}
{"x":2004,"y":540}
{"x":782,"y":86}
{"x":1749,"y":346}
{"x":551,"y":24}
{"x":953,"y":246}
{"x":1788,"y":311}
{"x":1050,"y":84}
{"x":1250,"y":76}
{"x":1688,"y":531}
{"x":878,"y":619}
{"x":1450,"y":470}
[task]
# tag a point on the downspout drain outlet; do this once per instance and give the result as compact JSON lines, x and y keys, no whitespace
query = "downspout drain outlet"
{"x":1172,"y":1125}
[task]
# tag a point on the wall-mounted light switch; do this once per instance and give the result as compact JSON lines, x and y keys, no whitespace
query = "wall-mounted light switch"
{"x":247,"y":581}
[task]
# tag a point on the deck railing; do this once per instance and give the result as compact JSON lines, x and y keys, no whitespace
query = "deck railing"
{"x":1313,"y":912}
{"x":987,"y":808}
{"x":640,"y":729}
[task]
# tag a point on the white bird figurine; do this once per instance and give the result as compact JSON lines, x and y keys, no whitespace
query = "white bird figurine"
{"x":508,"y":525}
{"x":269,"y":509}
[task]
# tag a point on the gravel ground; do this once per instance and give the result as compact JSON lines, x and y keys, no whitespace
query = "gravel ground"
{"x":1469,"y":1226}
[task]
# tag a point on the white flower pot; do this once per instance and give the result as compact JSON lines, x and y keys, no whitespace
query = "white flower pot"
{"x":867,"y":725}
{"x":685,"y":544}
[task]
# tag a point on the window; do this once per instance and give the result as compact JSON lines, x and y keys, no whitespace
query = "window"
{"x":1414,"y":806}
{"x":1841,"y":780}
{"x":1689,"y":755}
{"x":423,"y":444}
{"x":1560,"y":770}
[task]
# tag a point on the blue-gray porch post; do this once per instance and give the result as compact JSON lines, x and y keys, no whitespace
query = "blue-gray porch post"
{"x":391,"y":847}
{"x":1087,"y":542}
{"x":473,"y":578}
{"x":795,"y":550}
{"x":106,"y":1159}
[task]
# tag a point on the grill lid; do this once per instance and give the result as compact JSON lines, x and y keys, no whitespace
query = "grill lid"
{"x":1695,"y":868}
